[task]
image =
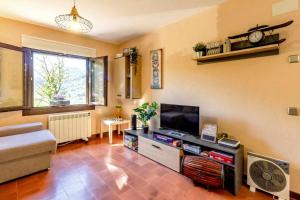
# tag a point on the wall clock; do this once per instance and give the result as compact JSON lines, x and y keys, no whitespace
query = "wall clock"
{"x":256,"y":37}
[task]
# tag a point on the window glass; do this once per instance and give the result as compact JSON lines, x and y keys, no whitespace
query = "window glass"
{"x":11,"y":78}
{"x":98,"y":88}
{"x":59,"y":80}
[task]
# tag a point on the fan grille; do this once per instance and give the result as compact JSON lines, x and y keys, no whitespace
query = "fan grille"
{"x":268,"y":176}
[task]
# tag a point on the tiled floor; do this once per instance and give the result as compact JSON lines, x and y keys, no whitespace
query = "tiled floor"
{"x":99,"y":171}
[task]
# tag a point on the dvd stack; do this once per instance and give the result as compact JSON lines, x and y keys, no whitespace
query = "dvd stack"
{"x":167,"y":140}
{"x":131,"y":142}
{"x":192,"y":148}
{"x":162,"y":138}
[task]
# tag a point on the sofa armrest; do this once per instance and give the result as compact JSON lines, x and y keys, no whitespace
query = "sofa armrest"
{"x":20,"y":129}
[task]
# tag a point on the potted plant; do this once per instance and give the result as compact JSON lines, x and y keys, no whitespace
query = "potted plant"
{"x":133,"y":54}
{"x":145,"y":112}
{"x":200,"y":48}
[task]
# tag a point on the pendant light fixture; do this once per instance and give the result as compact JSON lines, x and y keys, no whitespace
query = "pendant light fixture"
{"x":74,"y":21}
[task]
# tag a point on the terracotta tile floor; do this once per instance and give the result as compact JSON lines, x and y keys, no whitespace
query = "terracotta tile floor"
{"x":110,"y":172}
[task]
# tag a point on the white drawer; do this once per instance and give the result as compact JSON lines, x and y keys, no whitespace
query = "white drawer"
{"x":164,"y":154}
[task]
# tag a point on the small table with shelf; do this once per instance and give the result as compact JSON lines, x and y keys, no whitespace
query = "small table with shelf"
{"x":170,"y":156}
{"x":113,"y":122}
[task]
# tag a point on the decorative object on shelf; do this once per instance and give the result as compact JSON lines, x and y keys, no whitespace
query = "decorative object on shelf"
{"x":156,"y":69}
{"x":200,"y":49}
{"x":133,"y":53}
{"x":222,"y":135}
{"x":209,"y":133}
{"x":260,"y":35}
{"x":126,"y":51}
{"x":204,"y":171}
{"x":59,"y":100}
{"x":226,"y":46}
{"x":227,"y":142}
{"x":74,"y":21}
{"x":119,"y":55}
{"x":133,"y":122}
{"x":204,"y":153}
{"x":213,"y":48}
{"x":145,"y":112}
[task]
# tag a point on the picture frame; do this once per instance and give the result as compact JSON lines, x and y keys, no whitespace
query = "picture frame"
{"x":156,"y":57}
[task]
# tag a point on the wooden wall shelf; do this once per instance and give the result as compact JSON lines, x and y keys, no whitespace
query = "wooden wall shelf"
{"x":240,"y":54}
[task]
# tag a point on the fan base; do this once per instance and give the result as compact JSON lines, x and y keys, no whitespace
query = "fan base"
{"x":252,"y":189}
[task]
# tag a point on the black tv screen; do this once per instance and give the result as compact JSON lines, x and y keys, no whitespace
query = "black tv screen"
{"x":180,"y":118}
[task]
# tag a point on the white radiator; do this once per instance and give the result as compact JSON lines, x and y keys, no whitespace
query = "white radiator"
{"x":70,"y":126}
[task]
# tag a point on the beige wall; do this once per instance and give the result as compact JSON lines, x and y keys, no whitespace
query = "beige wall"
{"x":11,"y":32}
{"x":247,"y":98}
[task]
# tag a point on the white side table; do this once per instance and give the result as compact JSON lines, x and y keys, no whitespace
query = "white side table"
{"x":112,"y":122}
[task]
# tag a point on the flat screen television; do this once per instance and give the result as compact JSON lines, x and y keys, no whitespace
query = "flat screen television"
{"x":180,"y":118}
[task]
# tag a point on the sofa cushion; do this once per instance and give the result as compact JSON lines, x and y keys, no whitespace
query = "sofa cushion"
{"x":28,"y":144}
{"x":20,"y":129}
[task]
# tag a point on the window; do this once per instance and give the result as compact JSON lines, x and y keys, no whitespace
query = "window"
{"x":59,"y":80}
{"x":60,"y":83}
{"x":98,"y":86}
{"x":11,"y":78}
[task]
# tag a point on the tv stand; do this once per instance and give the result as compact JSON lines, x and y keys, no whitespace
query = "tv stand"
{"x":171,"y":156}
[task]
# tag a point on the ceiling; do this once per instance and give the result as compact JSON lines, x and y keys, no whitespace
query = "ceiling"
{"x":114,"y":20}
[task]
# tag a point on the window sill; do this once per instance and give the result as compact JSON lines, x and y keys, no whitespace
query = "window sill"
{"x":11,"y":109}
{"x":57,"y":109}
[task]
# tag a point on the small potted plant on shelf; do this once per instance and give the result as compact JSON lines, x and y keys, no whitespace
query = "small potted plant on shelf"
{"x":200,"y":49}
{"x":145,"y":112}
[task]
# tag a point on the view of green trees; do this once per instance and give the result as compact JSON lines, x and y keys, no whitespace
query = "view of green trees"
{"x":58,"y":78}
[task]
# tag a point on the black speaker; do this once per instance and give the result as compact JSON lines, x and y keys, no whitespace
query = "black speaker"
{"x":133,"y":122}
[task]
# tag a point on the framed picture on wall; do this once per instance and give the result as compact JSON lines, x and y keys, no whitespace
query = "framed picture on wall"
{"x":156,"y":69}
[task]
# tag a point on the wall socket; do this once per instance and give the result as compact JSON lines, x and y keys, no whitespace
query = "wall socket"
{"x":293,"y":111}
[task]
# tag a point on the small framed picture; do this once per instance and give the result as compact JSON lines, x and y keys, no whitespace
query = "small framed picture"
{"x":156,"y":69}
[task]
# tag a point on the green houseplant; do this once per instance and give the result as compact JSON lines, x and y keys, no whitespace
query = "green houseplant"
{"x":199,"y":48}
{"x":133,"y":54}
{"x":145,"y":112}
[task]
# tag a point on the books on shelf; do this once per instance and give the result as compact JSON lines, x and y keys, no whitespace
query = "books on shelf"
{"x":192,"y":148}
{"x":222,"y":157}
{"x":167,"y":140}
{"x":131,"y":142}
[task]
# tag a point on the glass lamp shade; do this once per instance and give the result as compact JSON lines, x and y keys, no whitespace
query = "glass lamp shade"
{"x":74,"y":22}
